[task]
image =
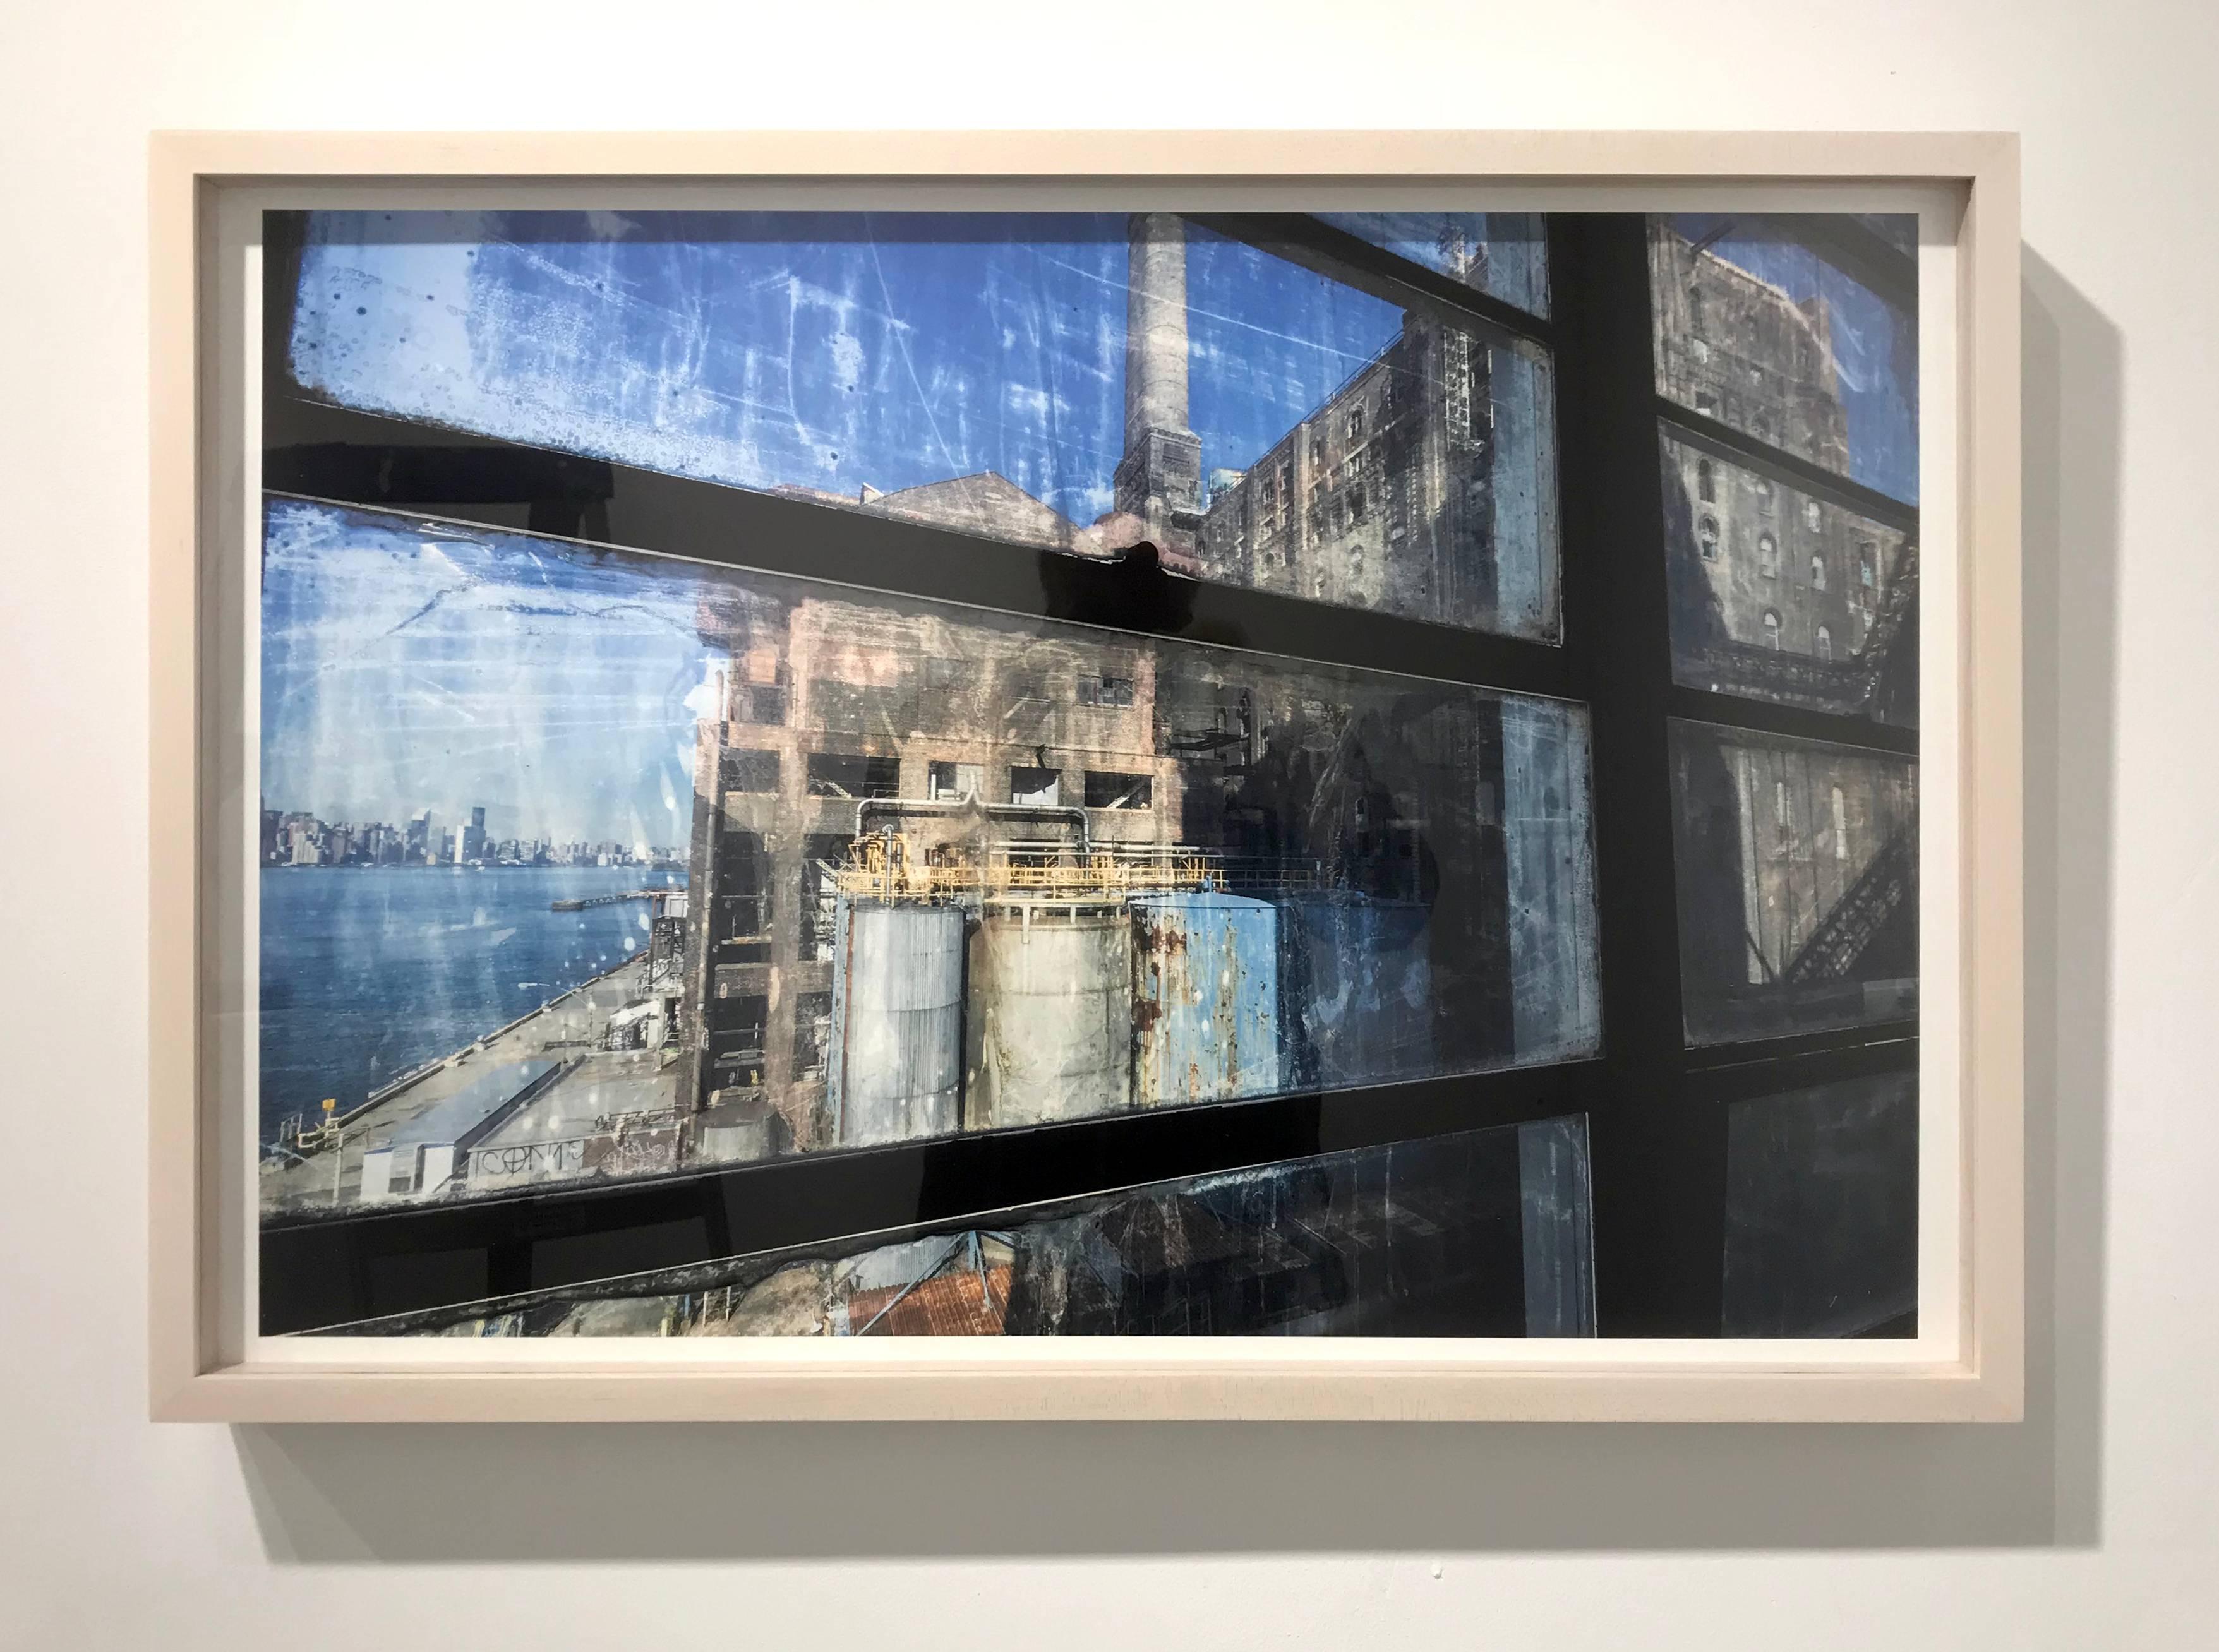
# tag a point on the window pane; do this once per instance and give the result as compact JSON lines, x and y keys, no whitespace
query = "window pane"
{"x":1755,"y":327}
{"x":1479,"y":1234}
{"x":1362,"y":454}
{"x":1504,"y":254}
{"x":1228,"y":875}
{"x":1822,"y":1209}
{"x":1780,"y":596}
{"x":1798,"y":884}
{"x":1078,"y":382}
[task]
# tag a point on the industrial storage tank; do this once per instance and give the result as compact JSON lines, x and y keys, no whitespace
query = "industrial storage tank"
{"x":1205,"y":997}
{"x":1049,"y":1031}
{"x":1357,"y":982}
{"x":895,"y":1070}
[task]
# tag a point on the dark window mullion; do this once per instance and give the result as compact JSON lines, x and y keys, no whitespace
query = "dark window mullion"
{"x":1760,"y":1066}
{"x":1322,"y":249}
{"x":1657,"y":1152}
{"x":1748,"y":715}
{"x":1723,"y":441}
{"x":343,"y":457}
{"x":337,"y":1269}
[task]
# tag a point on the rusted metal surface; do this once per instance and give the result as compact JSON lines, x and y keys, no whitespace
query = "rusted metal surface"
{"x":1205,"y":998}
{"x":1050,"y":1022}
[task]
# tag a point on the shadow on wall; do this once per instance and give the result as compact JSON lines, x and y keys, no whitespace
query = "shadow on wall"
{"x":612,"y":1492}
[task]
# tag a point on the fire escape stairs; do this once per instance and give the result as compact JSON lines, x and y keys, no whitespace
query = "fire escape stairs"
{"x":1838,"y":943}
{"x":1847,"y":687}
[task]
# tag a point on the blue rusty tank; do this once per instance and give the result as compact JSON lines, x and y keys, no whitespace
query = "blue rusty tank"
{"x":1205,"y":998}
{"x":1358,"y":989}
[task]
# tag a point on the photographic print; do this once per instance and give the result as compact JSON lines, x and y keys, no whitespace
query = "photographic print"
{"x":989,"y":773}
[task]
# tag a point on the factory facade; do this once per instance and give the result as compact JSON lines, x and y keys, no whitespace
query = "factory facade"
{"x":1760,"y":565}
{"x":961,"y":871}
{"x":1798,"y":860}
{"x":832,"y":705}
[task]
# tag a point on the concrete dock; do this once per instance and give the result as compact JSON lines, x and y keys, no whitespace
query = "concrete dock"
{"x":606,"y":1112}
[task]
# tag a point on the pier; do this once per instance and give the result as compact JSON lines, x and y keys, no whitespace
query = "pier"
{"x":609,"y":900}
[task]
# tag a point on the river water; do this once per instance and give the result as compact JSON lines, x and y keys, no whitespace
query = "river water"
{"x":369,"y":970}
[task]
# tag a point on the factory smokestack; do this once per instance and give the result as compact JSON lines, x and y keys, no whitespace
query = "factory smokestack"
{"x":1160,"y":478}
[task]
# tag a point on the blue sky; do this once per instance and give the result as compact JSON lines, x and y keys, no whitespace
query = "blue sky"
{"x":828,"y":351}
{"x":841,"y":349}
{"x":1875,"y":349}
{"x":406,"y":667}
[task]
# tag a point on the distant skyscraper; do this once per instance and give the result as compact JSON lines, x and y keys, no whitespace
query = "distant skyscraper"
{"x":472,"y":843}
{"x":422,"y":844}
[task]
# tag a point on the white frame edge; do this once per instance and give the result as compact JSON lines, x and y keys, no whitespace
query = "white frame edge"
{"x":187,"y":1382}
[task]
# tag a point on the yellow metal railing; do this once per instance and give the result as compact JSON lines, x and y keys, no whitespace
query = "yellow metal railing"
{"x":888,"y":866}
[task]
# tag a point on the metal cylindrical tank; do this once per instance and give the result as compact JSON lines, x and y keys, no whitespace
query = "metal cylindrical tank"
{"x":895,"y":1070}
{"x":1357,"y":975}
{"x":1205,"y":997}
{"x":1049,"y":1031}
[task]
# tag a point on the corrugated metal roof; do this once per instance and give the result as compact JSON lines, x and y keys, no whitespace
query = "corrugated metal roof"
{"x":954,"y":1304}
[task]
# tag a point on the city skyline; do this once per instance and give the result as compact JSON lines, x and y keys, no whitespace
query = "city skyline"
{"x":421,"y":839}
{"x":406,"y":667}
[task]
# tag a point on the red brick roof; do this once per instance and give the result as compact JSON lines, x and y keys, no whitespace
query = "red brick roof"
{"x":951,"y":1304}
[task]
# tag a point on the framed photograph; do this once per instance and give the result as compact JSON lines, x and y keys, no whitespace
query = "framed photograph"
{"x":1086,"y":775}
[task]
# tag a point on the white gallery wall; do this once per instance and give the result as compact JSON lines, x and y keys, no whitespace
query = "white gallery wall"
{"x":2096,"y":1523}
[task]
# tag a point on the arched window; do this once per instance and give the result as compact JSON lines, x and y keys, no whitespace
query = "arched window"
{"x":1707,"y":535}
{"x":1695,"y":309}
{"x":1767,"y":556}
{"x":1841,"y":827}
{"x":1825,"y":643}
{"x":1771,"y":629}
{"x":1706,"y":486}
{"x":1817,"y":573}
{"x":1868,"y":563}
{"x":1762,"y":425}
{"x":1764,"y":495}
{"x":1812,"y":519}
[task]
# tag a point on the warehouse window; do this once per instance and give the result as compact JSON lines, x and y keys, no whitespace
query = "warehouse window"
{"x":1109,"y":791}
{"x":1042,"y":787}
{"x":955,"y":782}
{"x":1104,"y":690}
{"x":833,"y":774}
{"x":748,"y":771}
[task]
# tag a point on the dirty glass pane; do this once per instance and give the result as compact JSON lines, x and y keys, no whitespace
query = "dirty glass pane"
{"x":1478,"y":1233}
{"x":1555,"y":1213}
{"x":1778,"y":595}
{"x":1822,"y":1210}
{"x":1358,"y":453}
{"x":1757,"y":328}
{"x":554,"y":840}
{"x":1504,"y":254}
{"x":1798,"y":875}
{"x":1078,"y":383}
